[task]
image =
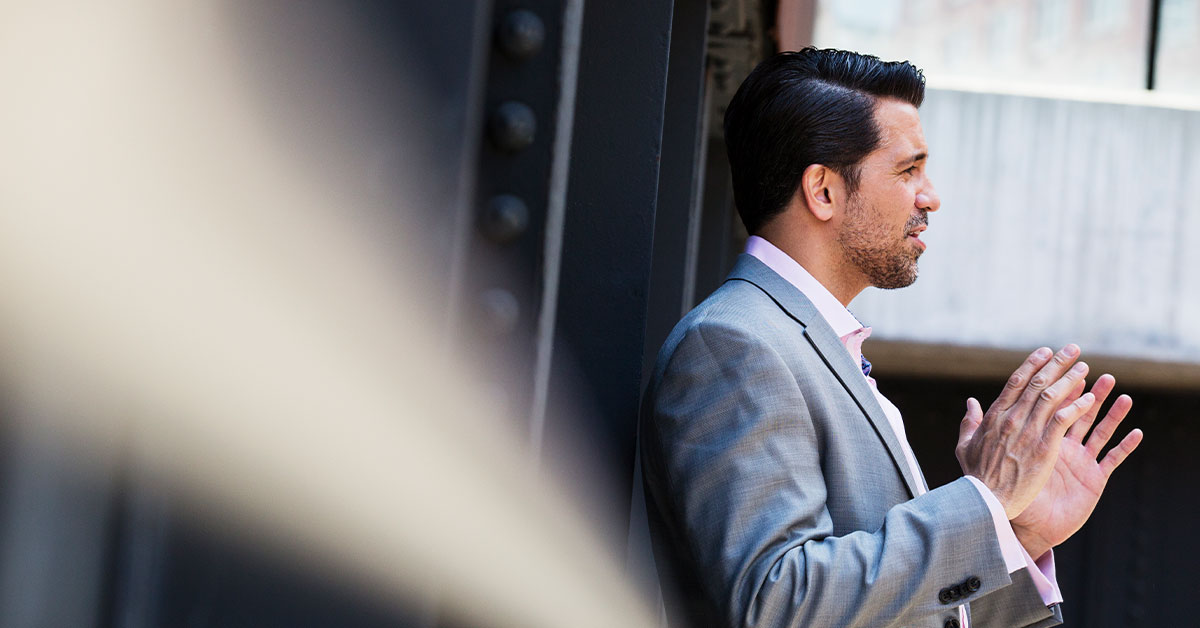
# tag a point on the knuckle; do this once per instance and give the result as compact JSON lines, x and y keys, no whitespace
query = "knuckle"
{"x":1046,"y":395}
{"x":1016,"y":380}
{"x":1039,"y":381}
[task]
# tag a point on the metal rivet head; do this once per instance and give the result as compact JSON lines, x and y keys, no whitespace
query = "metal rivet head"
{"x":512,"y":126}
{"x":499,"y":312}
{"x":521,"y":34}
{"x":504,"y":218}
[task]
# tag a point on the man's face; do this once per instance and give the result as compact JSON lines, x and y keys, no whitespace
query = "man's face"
{"x":887,"y":213}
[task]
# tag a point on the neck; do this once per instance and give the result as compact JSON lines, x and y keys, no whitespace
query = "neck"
{"x":822,"y":257}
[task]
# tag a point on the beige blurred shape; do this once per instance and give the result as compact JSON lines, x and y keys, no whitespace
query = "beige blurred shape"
{"x":183,"y":291}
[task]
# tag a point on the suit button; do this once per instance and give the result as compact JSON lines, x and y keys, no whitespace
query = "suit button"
{"x":973,"y":584}
{"x":950,"y":623}
{"x":945,"y":596}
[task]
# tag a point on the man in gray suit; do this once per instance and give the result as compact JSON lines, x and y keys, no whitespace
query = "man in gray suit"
{"x":780,"y":484}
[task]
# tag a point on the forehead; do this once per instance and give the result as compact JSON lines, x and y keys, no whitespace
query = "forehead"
{"x":900,"y":133}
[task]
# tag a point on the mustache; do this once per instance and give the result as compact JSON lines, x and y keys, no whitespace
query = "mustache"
{"x":919,"y":220}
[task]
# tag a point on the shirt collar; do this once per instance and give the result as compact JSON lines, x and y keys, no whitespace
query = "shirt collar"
{"x":832,"y":310}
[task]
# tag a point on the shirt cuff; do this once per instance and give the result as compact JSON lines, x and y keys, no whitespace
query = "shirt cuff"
{"x":1041,"y":570}
{"x":1044,"y":577}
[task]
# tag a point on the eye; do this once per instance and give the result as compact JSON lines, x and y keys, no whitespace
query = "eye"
{"x":911,"y":169}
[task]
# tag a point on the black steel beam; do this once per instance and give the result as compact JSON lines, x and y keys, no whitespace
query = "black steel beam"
{"x":677,"y":218}
{"x":502,"y":290}
{"x":607,"y":239}
{"x":1152,"y":42}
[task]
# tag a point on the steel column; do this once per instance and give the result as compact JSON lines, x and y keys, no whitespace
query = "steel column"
{"x":607,"y":238}
{"x":677,"y":217}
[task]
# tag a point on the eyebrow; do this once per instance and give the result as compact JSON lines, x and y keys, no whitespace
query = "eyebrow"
{"x":912,"y":160}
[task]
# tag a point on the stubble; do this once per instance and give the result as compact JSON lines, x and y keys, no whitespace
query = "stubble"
{"x":883,"y":255}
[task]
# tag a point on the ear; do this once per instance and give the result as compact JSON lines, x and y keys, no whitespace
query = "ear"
{"x":821,"y":191}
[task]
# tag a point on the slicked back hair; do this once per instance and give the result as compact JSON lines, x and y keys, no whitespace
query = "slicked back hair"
{"x":807,"y":107}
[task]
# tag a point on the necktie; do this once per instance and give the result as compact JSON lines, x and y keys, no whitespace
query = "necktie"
{"x":866,"y":365}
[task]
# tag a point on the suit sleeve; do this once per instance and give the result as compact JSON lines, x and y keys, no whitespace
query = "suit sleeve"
{"x":1010,"y":606}
{"x":734,"y":463}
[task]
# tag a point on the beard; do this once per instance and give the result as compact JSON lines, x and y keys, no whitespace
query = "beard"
{"x":885,"y":257}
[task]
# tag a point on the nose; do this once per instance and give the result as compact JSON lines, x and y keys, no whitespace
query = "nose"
{"x":927,"y":198}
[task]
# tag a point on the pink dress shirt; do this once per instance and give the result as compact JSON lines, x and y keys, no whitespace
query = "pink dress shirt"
{"x":852,"y":333}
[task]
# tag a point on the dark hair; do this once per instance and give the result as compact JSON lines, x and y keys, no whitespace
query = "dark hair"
{"x":802,"y":108}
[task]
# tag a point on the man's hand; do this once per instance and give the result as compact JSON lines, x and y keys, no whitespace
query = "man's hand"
{"x":1013,"y":449}
{"x":1077,"y":480}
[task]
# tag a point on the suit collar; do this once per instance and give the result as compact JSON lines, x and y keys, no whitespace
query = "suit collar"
{"x":830,"y":308}
{"x":751,"y":269}
{"x":829,"y":346}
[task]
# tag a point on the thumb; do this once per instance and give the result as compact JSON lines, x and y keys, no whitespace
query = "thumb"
{"x":971,"y":421}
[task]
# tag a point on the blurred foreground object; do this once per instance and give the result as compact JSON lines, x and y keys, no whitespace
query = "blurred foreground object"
{"x":204,"y":288}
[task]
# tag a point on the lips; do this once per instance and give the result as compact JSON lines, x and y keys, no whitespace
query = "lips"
{"x":917,"y":225}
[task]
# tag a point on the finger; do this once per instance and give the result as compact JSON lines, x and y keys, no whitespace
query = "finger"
{"x":1045,"y":412}
{"x":1108,"y":426}
{"x":1049,"y":375}
{"x":1101,"y":389}
{"x":1019,"y":380}
{"x":1080,"y":386}
{"x":970,"y":421}
{"x":1118,"y":454}
{"x":1063,"y":419}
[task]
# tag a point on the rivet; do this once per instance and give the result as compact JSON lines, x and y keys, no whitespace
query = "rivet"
{"x":504,"y":218}
{"x":521,"y":34}
{"x":512,"y":126}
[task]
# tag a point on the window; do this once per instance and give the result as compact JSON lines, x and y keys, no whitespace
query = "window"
{"x":1064,"y":43}
{"x":1105,"y":16}
{"x":1051,"y":20}
{"x":1004,"y":35}
{"x":1176,"y":67}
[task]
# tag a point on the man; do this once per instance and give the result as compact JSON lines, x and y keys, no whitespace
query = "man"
{"x":781,"y":487}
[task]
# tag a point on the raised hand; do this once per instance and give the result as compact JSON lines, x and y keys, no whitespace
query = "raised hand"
{"x":1014,"y":447}
{"x":1078,"y":479}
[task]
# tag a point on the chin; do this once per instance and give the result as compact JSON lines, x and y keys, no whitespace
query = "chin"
{"x":896,"y":278}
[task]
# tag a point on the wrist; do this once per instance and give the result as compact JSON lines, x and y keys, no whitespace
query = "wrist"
{"x":1034,"y":543}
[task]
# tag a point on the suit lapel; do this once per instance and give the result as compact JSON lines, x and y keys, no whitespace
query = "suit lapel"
{"x":831,"y":350}
{"x":838,"y":359}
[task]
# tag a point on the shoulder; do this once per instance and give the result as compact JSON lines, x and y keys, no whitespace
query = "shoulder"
{"x":737,"y":333}
{"x":738,"y":309}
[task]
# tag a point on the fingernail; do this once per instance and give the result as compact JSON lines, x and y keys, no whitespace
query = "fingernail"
{"x":1043,"y":353}
{"x":1071,"y":350}
{"x":1087,"y":398}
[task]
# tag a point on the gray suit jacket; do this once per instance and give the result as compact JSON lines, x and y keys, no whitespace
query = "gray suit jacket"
{"x":778,"y":493}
